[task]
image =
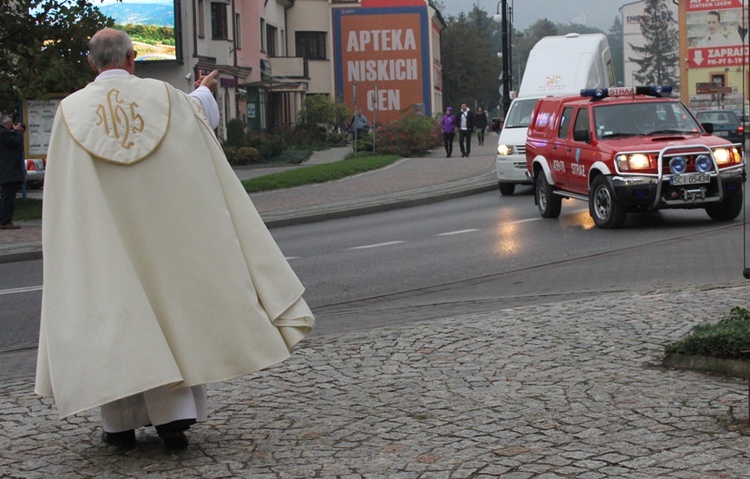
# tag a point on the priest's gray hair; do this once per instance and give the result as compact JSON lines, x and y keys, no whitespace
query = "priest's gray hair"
{"x":5,"y":119}
{"x":109,"y":48}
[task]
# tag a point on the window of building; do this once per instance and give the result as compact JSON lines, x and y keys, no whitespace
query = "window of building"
{"x":271,"y":34}
{"x":262,"y":32}
{"x":310,"y":45}
{"x":219,"y":30}
{"x":237,"y":31}
{"x":201,"y":14}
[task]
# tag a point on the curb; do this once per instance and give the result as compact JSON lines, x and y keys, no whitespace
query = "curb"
{"x":376,"y":204}
{"x":15,"y":252}
{"x":30,"y":251}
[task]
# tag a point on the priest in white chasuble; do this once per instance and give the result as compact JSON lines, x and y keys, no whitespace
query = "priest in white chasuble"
{"x":159,"y":274}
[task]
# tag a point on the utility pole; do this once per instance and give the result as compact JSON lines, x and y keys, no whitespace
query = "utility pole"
{"x":502,"y":17}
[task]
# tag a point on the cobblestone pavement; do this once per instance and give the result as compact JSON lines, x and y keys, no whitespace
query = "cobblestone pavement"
{"x":567,"y":390}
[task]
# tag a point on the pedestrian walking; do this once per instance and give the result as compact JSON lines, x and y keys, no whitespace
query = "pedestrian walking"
{"x":465,"y":127}
{"x":159,"y":275}
{"x":12,"y":170}
{"x":448,"y":125}
{"x":480,"y":123}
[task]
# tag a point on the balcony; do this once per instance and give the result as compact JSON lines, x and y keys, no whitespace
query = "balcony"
{"x":295,"y":68}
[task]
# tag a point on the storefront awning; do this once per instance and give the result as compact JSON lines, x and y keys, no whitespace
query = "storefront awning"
{"x":275,"y":84}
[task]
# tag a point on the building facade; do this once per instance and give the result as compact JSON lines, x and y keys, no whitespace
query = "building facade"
{"x":272,"y":54}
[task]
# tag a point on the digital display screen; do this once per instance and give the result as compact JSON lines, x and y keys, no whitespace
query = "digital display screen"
{"x":150,"y":24}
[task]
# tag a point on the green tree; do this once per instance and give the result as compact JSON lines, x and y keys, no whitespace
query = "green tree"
{"x":658,"y":58}
{"x":321,"y":111}
{"x":43,"y":48}
{"x":470,"y":63}
{"x":616,"y":42}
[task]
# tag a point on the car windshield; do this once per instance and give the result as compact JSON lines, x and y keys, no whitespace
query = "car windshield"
{"x":717,"y":117}
{"x":519,"y":113}
{"x":643,"y":118}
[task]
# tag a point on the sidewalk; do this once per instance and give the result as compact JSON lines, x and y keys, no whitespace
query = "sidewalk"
{"x":408,"y":182}
{"x":566,"y":390}
{"x":572,"y":389}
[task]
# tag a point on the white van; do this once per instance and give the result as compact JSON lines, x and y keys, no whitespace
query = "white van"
{"x":558,"y":65}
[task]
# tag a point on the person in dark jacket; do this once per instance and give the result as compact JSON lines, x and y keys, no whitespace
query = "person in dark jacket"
{"x":448,"y":125}
{"x":11,"y":169}
{"x":465,"y":123}
{"x":480,"y":123}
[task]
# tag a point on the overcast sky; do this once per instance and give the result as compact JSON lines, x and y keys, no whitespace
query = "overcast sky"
{"x":593,"y":13}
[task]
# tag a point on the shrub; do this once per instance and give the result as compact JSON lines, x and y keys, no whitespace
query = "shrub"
{"x":267,"y":145}
{"x":410,"y":135}
{"x":364,"y":142}
{"x":229,"y":152}
{"x":303,"y":135}
{"x":235,"y":133}
{"x":729,"y":338}
{"x":246,"y":155}
{"x":338,"y":139}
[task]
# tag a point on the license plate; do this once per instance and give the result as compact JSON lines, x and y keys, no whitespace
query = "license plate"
{"x":690,"y":179}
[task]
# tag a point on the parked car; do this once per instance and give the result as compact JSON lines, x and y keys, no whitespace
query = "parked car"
{"x":725,"y":124}
{"x":34,"y":173}
{"x":628,"y":150}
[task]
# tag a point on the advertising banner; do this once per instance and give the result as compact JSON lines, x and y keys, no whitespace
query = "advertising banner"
{"x":385,"y":52}
{"x":716,"y":33}
{"x":38,"y":116}
{"x":150,"y":23}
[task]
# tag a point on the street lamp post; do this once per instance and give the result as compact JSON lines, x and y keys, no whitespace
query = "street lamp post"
{"x":502,"y":18}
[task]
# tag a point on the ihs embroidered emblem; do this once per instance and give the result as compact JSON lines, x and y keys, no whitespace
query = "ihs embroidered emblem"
{"x":120,"y":119}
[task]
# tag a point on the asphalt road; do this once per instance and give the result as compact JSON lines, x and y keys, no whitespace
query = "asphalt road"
{"x":478,"y":253}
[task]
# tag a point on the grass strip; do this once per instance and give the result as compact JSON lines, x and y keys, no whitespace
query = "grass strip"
{"x":31,"y":209}
{"x":28,"y":210}
{"x":318,"y":173}
{"x":729,"y":338}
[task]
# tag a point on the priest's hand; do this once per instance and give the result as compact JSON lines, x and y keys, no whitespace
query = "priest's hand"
{"x":209,"y":81}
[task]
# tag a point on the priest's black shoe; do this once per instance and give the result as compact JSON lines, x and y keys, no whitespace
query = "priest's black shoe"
{"x":124,"y":438}
{"x":174,"y":440}
{"x":173,"y":433}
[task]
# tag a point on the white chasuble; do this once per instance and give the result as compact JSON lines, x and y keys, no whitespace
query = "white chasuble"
{"x":158,"y":270}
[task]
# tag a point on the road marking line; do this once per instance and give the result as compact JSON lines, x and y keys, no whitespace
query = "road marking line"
{"x":524,"y":221}
{"x":27,"y":289}
{"x":378,"y":245}
{"x":459,"y":232}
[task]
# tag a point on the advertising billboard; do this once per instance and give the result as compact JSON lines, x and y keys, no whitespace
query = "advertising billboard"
{"x":382,"y":56}
{"x":716,"y":33}
{"x":150,"y":23}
